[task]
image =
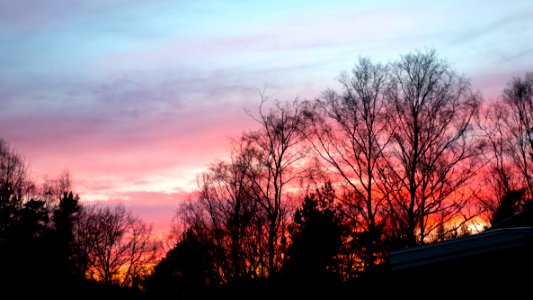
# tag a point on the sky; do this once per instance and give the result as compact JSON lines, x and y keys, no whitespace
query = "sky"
{"x":136,"y":98}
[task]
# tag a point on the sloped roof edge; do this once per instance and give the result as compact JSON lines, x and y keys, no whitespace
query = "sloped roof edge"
{"x":485,"y":242}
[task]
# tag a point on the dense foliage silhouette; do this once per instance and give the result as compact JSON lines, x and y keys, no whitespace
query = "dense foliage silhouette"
{"x":316,"y":235}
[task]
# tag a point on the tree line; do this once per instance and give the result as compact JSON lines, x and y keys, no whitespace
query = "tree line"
{"x":401,"y":154}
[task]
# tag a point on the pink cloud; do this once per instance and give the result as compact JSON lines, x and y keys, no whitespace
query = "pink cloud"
{"x":132,"y":136}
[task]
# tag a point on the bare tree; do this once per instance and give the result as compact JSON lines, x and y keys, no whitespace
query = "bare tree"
{"x":433,"y":151}
{"x":275,"y":152}
{"x":348,"y":131}
{"x":518,"y":101}
{"x":14,"y":177}
{"x":507,"y":131}
{"x":113,"y":246}
{"x":228,"y":217}
{"x":53,"y":188}
{"x":15,"y":185}
{"x":500,"y":175}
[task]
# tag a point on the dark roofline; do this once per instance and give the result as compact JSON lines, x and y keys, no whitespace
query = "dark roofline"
{"x":485,"y":242}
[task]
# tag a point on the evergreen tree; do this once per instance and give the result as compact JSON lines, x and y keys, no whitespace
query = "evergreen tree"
{"x":64,"y":218}
{"x":316,"y":234}
{"x":185,"y":271}
{"x":29,"y":263}
{"x":508,"y":206}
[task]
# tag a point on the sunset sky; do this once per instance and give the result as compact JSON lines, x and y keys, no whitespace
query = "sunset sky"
{"x":135,"y":98}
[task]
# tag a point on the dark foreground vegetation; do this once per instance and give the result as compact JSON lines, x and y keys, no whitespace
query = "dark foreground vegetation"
{"x":309,"y":204}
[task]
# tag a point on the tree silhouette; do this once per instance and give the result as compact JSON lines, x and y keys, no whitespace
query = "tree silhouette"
{"x":500,"y":176}
{"x":507,"y":130}
{"x":511,"y":204}
{"x":186,"y":271}
{"x":317,"y":235}
{"x":275,"y":150}
{"x":227,"y":215}
{"x":113,"y":246}
{"x":65,"y":216}
{"x":518,"y":101}
{"x":29,"y":250}
{"x":348,"y":131}
{"x":433,"y":153}
{"x":53,"y":189}
{"x":14,"y":186}
{"x":23,"y":223}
